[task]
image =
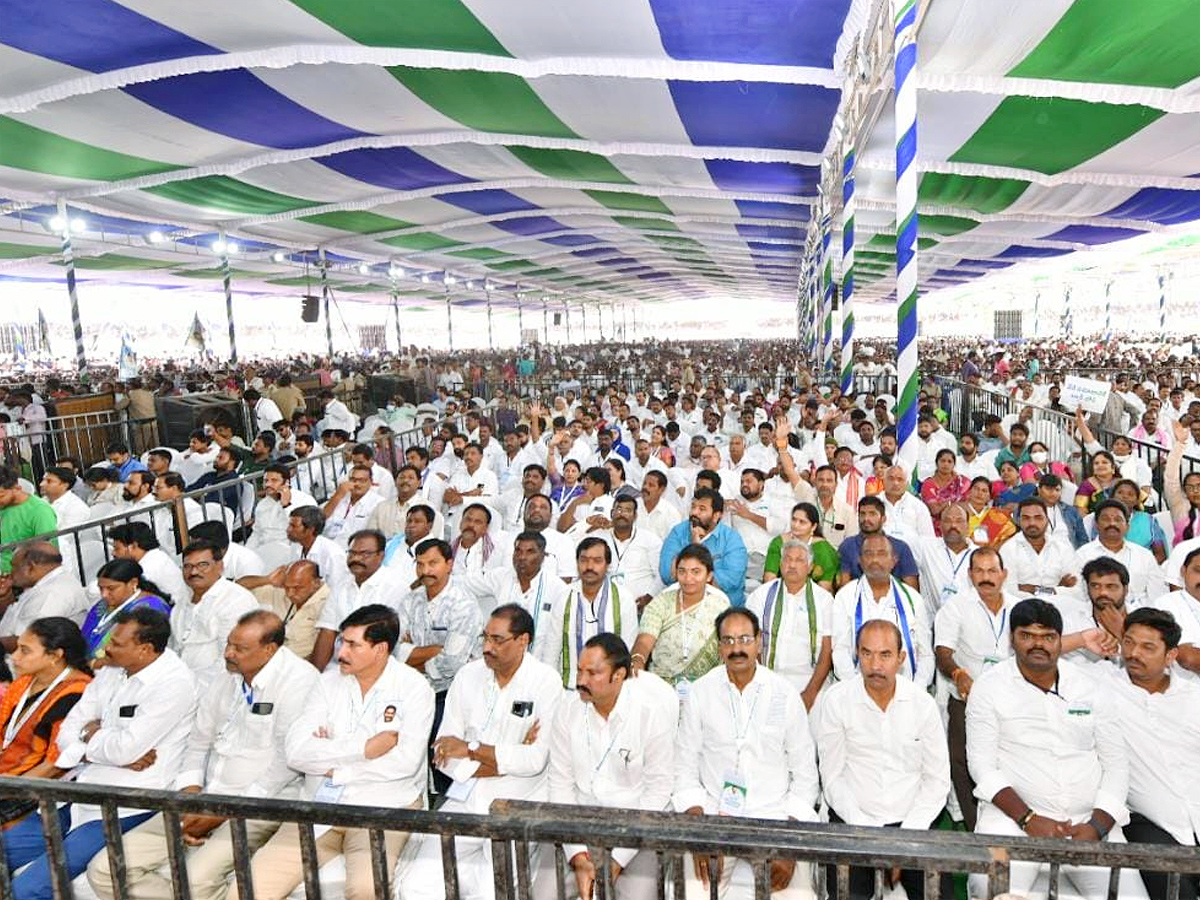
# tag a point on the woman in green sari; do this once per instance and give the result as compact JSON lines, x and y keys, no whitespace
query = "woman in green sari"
{"x":677,"y":633}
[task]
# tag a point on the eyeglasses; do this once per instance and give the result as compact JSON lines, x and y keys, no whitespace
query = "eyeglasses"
{"x":496,"y":639}
{"x":198,"y":567}
{"x":363,"y":552}
{"x":742,"y":639}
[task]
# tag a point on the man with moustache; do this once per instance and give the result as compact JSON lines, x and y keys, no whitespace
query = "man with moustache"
{"x":276,"y":504}
{"x":560,"y":548}
{"x":494,"y":742}
{"x":634,"y":717}
{"x":744,"y":749}
{"x":360,"y":742}
{"x":370,"y":583}
{"x":636,"y":552}
{"x":1112,"y":524}
{"x":513,"y":502}
{"x":1031,"y":719}
{"x":236,"y":747}
{"x":943,"y":560}
{"x":473,"y":547}
{"x":705,"y":526}
{"x":350,"y":506}
{"x":882,"y":751}
{"x":201,"y":622}
{"x":400,"y":551}
{"x":440,"y":625}
{"x":389,"y":516}
{"x":593,"y":606}
{"x":1159,"y":718}
{"x":1037,"y":564}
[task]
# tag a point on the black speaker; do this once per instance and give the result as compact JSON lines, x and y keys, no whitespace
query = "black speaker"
{"x":309,"y":311}
{"x":1007,"y":324}
{"x":558,"y":318}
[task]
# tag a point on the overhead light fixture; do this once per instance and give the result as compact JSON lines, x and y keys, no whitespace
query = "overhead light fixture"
{"x":219,"y":246}
{"x":364,"y":269}
{"x":278,"y":256}
{"x":469,"y":285}
{"x":155,"y":237}
{"x":231,"y":248}
{"x":78,"y":225}
{"x":448,"y":279}
{"x":396,"y":272}
{"x":425,"y":278}
{"x":58,"y":224}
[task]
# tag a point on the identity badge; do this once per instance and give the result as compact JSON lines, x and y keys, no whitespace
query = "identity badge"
{"x":733,"y":795}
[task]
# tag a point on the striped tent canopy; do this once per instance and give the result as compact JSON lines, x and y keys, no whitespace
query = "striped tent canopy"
{"x":628,"y":150}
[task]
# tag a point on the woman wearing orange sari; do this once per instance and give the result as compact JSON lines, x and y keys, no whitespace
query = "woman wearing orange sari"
{"x":989,"y":526}
{"x":50,"y":663}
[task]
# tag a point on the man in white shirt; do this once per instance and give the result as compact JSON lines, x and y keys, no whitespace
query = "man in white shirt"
{"x":389,"y":516}
{"x":594,"y":605}
{"x":474,"y":480}
{"x":629,"y":724}
{"x":383,"y":482}
{"x":908,"y":517}
{"x":273,"y":508}
{"x":969,"y":462}
{"x":636,"y":551}
{"x":744,"y":749}
{"x":238,"y":560}
{"x":1036,"y":563}
{"x":336,"y":414}
{"x":48,"y":589}
{"x":370,"y":583}
{"x":266,"y":411}
{"x":795,"y":614}
{"x":1112,"y":524}
{"x":69,"y":510}
{"x":1184,"y":605}
{"x":494,"y":743}
{"x":129,"y":729}
{"x":656,"y":510}
{"x":882,"y":751}
{"x":136,"y":541}
{"x":361,"y":742}
{"x":351,"y":505}
{"x":1159,"y":718}
{"x":757,"y":519}
{"x":201,"y":622}
{"x":878,"y":595}
{"x":971,"y":635}
{"x":525,"y":583}
{"x":236,"y":747}
{"x":943,"y":561}
{"x":306,"y":541}
{"x":1046,"y":753}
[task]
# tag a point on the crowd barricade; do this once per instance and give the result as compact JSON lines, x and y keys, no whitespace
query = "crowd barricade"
{"x":518,"y":830}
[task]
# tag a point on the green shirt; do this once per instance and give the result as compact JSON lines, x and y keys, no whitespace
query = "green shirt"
{"x":26,"y":520}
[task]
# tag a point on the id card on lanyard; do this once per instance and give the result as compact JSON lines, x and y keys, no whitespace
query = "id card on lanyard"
{"x":735,"y":787}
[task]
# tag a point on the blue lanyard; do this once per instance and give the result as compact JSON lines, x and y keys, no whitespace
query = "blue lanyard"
{"x":248,"y":693}
{"x":966,"y":554}
{"x":996,"y":634}
{"x":900,"y":614}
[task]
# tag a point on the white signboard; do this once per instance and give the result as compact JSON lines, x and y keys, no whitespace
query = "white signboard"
{"x":1089,"y":393}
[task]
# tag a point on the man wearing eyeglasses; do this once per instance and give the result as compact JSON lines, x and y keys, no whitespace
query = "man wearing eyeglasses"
{"x":493,"y":742}
{"x":744,"y":749}
{"x":370,"y":582}
{"x":201,"y":623}
{"x":1045,"y":750}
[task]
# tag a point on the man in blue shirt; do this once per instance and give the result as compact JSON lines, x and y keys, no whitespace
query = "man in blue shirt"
{"x":121,"y":460}
{"x":704,"y":526}
{"x":871,"y":515}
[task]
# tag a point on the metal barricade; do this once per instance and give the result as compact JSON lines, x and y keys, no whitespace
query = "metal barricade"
{"x":519,"y":830}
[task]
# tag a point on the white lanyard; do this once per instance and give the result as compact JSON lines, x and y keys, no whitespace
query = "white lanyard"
{"x":587,"y":731}
{"x":102,"y":625}
{"x":741,"y":729}
{"x":17,"y":720}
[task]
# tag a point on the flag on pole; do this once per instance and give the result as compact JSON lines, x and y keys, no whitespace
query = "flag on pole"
{"x":195,"y":336}
{"x":18,"y":344}
{"x":127,"y":364}
{"x":43,"y":333}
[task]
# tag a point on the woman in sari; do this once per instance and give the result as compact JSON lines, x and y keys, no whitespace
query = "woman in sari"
{"x":122,"y":586}
{"x":677,"y":634}
{"x":51,"y":668}
{"x":806,"y":528}
{"x":1040,"y":464}
{"x":660,"y":446}
{"x":1099,"y":485}
{"x":943,"y":487}
{"x":987,"y":526}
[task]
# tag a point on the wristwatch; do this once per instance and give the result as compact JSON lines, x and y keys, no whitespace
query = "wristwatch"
{"x":472,"y":747}
{"x":1024,"y":820}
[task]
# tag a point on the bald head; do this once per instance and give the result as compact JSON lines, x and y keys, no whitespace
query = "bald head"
{"x":882,"y":629}
{"x":301,"y":580}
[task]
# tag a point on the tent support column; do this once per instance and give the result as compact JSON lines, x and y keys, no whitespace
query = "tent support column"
{"x":905,"y":12}
{"x":325,"y":302}
{"x":69,"y":263}
{"x":226,"y":281}
{"x":847,"y":379}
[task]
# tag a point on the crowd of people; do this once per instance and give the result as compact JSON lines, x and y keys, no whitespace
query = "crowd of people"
{"x":719,"y":588}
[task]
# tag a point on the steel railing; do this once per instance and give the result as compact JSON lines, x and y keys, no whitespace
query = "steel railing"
{"x":512,"y":827}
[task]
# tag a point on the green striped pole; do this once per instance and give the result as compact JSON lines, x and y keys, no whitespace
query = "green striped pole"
{"x":1162,"y":303}
{"x":905,"y":43}
{"x":69,"y":264}
{"x":1108,"y":311}
{"x":396,"y":311}
{"x":848,"y":273}
{"x":827,"y":297}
